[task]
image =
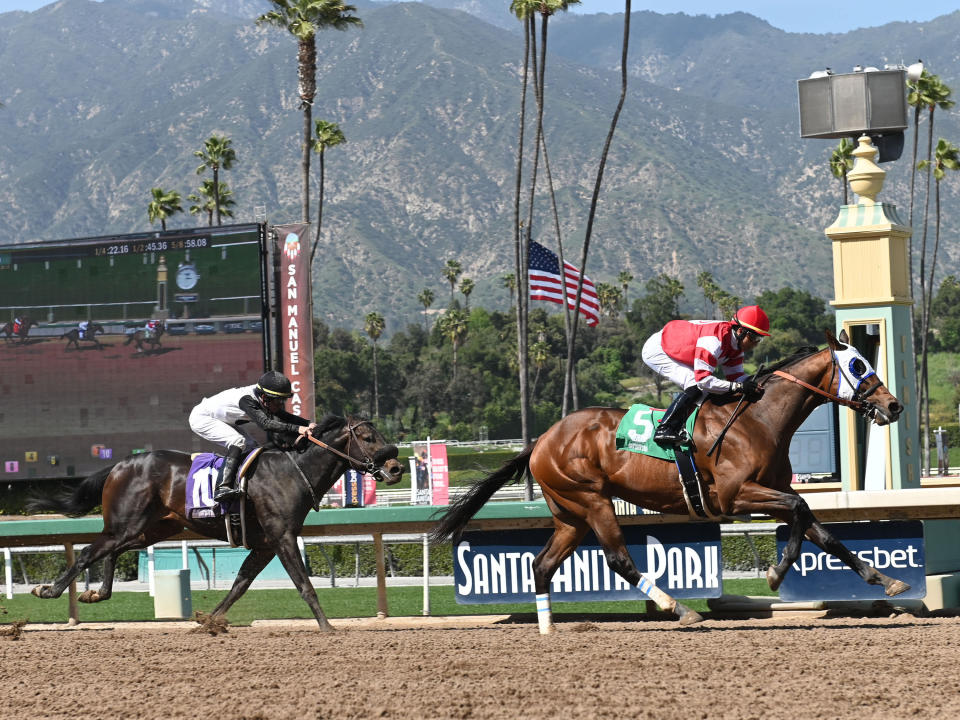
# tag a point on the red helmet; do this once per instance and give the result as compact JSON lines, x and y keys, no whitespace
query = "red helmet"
{"x":753,"y":318}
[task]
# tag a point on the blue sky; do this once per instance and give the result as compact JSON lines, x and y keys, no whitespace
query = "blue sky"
{"x":815,"y":16}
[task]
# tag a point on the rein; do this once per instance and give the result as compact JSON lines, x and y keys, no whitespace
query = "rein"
{"x":733,"y":417}
{"x":857,"y":405}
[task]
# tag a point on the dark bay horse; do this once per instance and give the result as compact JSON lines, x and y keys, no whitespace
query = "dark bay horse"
{"x":143,"y":500}
{"x":72,"y":336}
{"x":141,"y":337}
{"x":19,"y":332}
{"x":580,"y":470}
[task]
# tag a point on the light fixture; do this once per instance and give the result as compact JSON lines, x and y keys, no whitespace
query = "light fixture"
{"x":915,"y":71}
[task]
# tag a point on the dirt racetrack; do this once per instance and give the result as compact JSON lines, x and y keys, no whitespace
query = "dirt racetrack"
{"x":792,"y":667}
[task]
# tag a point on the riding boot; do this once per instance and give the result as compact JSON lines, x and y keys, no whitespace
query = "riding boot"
{"x":226,"y":489}
{"x":671,"y":432}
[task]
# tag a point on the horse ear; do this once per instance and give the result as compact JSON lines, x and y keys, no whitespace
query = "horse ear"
{"x":844,"y":338}
{"x":832,"y":341}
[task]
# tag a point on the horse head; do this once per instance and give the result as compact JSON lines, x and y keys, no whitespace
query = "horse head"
{"x":368,"y":450}
{"x":859,"y":383}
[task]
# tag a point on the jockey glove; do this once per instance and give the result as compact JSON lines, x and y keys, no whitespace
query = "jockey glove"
{"x":751,"y":390}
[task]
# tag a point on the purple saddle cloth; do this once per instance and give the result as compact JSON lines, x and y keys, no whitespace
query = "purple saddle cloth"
{"x":205,"y":471}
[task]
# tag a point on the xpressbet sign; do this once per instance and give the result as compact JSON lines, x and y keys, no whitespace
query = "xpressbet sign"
{"x":497,"y":567}
{"x":895,"y":548}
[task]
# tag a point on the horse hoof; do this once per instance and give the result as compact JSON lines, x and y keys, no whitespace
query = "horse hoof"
{"x":896,"y":587}
{"x":773,"y":580}
{"x":89,"y":596}
{"x":38,"y":590}
{"x":690,"y":617}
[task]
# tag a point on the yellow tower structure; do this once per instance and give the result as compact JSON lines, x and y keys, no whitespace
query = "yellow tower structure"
{"x":872,"y":284}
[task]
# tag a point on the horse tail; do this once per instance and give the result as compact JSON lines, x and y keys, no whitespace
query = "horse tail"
{"x":461,"y":510}
{"x":81,"y":500}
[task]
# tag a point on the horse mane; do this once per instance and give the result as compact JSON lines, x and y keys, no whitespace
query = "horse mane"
{"x":797,"y":356}
{"x":327,"y":424}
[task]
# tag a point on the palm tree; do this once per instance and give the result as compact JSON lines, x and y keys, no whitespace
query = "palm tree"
{"x":217,"y":153}
{"x":373,"y":325}
{"x":203,"y":201}
{"x":524,"y":10}
{"x":711,"y":293}
{"x":841,"y":162}
{"x":609,"y":297}
{"x":624,"y":278}
{"x":303,"y":19}
{"x":539,"y":354}
{"x":919,"y":97}
{"x":946,"y":157}
{"x":454,"y":325}
{"x":328,"y":135}
{"x":426,"y":298}
{"x":164,"y":204}
{"x":451,"y":271}
{"x":466,"y":287}
{"x":509,"y":281}
{"x":571,"y":340}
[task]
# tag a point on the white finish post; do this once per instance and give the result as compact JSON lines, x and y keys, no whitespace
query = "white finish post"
{"x":185,"y":563}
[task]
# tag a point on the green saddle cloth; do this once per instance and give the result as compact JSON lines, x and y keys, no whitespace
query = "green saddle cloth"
{"x":635,"y":432}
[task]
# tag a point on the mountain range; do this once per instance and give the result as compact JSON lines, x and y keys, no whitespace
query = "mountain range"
{"x":104,"y":100}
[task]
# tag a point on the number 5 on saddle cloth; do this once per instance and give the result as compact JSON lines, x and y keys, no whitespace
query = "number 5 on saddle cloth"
{"x":635,"y":434}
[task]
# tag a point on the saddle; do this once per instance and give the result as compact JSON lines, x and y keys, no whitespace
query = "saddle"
{"x":203,"y":476}
{"x":635,"y":434}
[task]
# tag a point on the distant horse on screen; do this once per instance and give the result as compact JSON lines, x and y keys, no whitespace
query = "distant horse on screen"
{"x":142,"y":337}
{"x":72,"y":336}
{"x":577,"y":464}
{"x":13,"y":333}
{"x":144,"y":500}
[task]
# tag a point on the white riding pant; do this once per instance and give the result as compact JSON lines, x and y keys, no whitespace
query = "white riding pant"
{"x":218,"y":431}
{"x":662,"y":364}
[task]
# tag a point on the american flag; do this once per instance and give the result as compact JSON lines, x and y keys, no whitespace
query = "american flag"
{"x":545,"y":283}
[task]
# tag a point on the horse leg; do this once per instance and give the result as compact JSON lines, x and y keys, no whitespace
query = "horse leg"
{"x":793,"y":510}
{"x":254,"y":563}
{"x":289,"y":554}
{"x":603,"y":521}
{"x":153,"y":535}
{"x":822,"y":538}
{"x":567,"y":534}
{"x":106,"y":586}
{"x":104,"y":545}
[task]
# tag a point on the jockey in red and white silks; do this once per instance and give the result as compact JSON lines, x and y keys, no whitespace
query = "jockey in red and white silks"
{"x":689,"y":351}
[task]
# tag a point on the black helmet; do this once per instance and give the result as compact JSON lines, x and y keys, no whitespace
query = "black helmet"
{"x":274,"y":384}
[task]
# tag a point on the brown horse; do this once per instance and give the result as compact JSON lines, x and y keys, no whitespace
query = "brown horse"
{"x":143,"y":500}
{"x":579,"y":468}
{"x":142,"y":337}
{"x":19,"y":332}
{"x":72,"y":336}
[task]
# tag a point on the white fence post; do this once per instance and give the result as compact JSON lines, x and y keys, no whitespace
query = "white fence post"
{"x":8,"y":571}
{"x":151,"y":566}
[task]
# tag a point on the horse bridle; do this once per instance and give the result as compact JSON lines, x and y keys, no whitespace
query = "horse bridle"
{"x":368,"y":465}
{"x":857,"y":404}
